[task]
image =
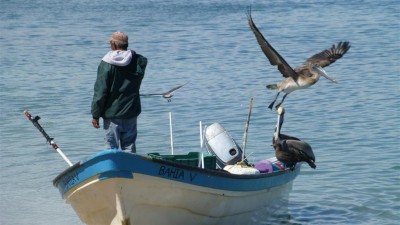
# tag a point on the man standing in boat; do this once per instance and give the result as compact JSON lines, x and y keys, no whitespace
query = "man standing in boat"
{"x":116,"y":93}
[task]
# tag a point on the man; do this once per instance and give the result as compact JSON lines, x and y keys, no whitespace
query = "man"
{"x":116,"y":94}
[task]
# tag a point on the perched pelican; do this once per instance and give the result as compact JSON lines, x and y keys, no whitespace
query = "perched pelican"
{"x":167,"y":95}
{"x":303,"y":76}
{"x":291,"y":150}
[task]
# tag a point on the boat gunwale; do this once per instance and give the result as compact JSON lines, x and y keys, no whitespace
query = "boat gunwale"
{"x":214,"y":172}
{"x":218,"y":172}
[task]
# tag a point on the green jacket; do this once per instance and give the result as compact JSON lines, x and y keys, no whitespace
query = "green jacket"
{"x":116,"y":91}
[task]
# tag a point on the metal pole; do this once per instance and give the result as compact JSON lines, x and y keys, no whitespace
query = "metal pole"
{"x":170,"y":131}
{"x":246,"y":130}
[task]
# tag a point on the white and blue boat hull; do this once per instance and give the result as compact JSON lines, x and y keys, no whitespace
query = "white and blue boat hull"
{"x":115,"y":187}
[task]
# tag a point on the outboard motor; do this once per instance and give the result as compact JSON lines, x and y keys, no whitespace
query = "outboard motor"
{"x":222,"y":145}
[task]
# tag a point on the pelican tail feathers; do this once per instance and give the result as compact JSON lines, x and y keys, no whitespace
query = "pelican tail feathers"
{"x":311,"y":164}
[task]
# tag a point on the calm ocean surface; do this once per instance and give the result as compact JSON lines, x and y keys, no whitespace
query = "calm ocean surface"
{"x":49,"y":55}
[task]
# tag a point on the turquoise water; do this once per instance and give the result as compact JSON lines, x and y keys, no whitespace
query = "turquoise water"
{"x":49,"y":55}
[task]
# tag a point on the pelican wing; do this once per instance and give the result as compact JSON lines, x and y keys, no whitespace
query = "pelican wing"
{"x":285,"y":137}
{"x":300,"y":148}
{"x":329,"y":56}
{"x":301,"y":151}
{"x":273,"y":56}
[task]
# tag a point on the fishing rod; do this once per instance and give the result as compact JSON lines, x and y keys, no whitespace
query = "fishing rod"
{"x":35,"y":121}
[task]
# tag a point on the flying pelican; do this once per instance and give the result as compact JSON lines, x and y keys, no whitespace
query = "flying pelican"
{"x":291,"y":150}
{"x":302,"y":76}
{"x":167,"y":95}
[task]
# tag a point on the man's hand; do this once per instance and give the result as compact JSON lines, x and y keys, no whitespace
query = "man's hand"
{"x":95,"y":123}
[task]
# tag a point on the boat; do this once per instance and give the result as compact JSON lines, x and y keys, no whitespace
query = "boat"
{"x":213,"y":186}
{"x":117,"y":187}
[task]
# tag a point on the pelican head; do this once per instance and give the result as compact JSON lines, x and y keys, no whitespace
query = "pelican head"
{"x":280,"y":110}
{"x":322,"y":72}
{"x":281,"y":114}
{"x":279,"y":122}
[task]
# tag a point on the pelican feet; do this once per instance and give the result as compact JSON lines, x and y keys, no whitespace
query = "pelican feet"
{"x":271,"y":105}
{"x":276,"y":106}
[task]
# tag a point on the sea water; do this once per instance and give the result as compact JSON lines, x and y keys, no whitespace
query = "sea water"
{"x":49,"y":56}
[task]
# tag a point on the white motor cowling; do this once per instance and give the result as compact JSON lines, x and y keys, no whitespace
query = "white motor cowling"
{"x":222,"y":145}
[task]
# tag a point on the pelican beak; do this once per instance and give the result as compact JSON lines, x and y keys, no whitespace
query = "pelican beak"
{"x":323,"y":73}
